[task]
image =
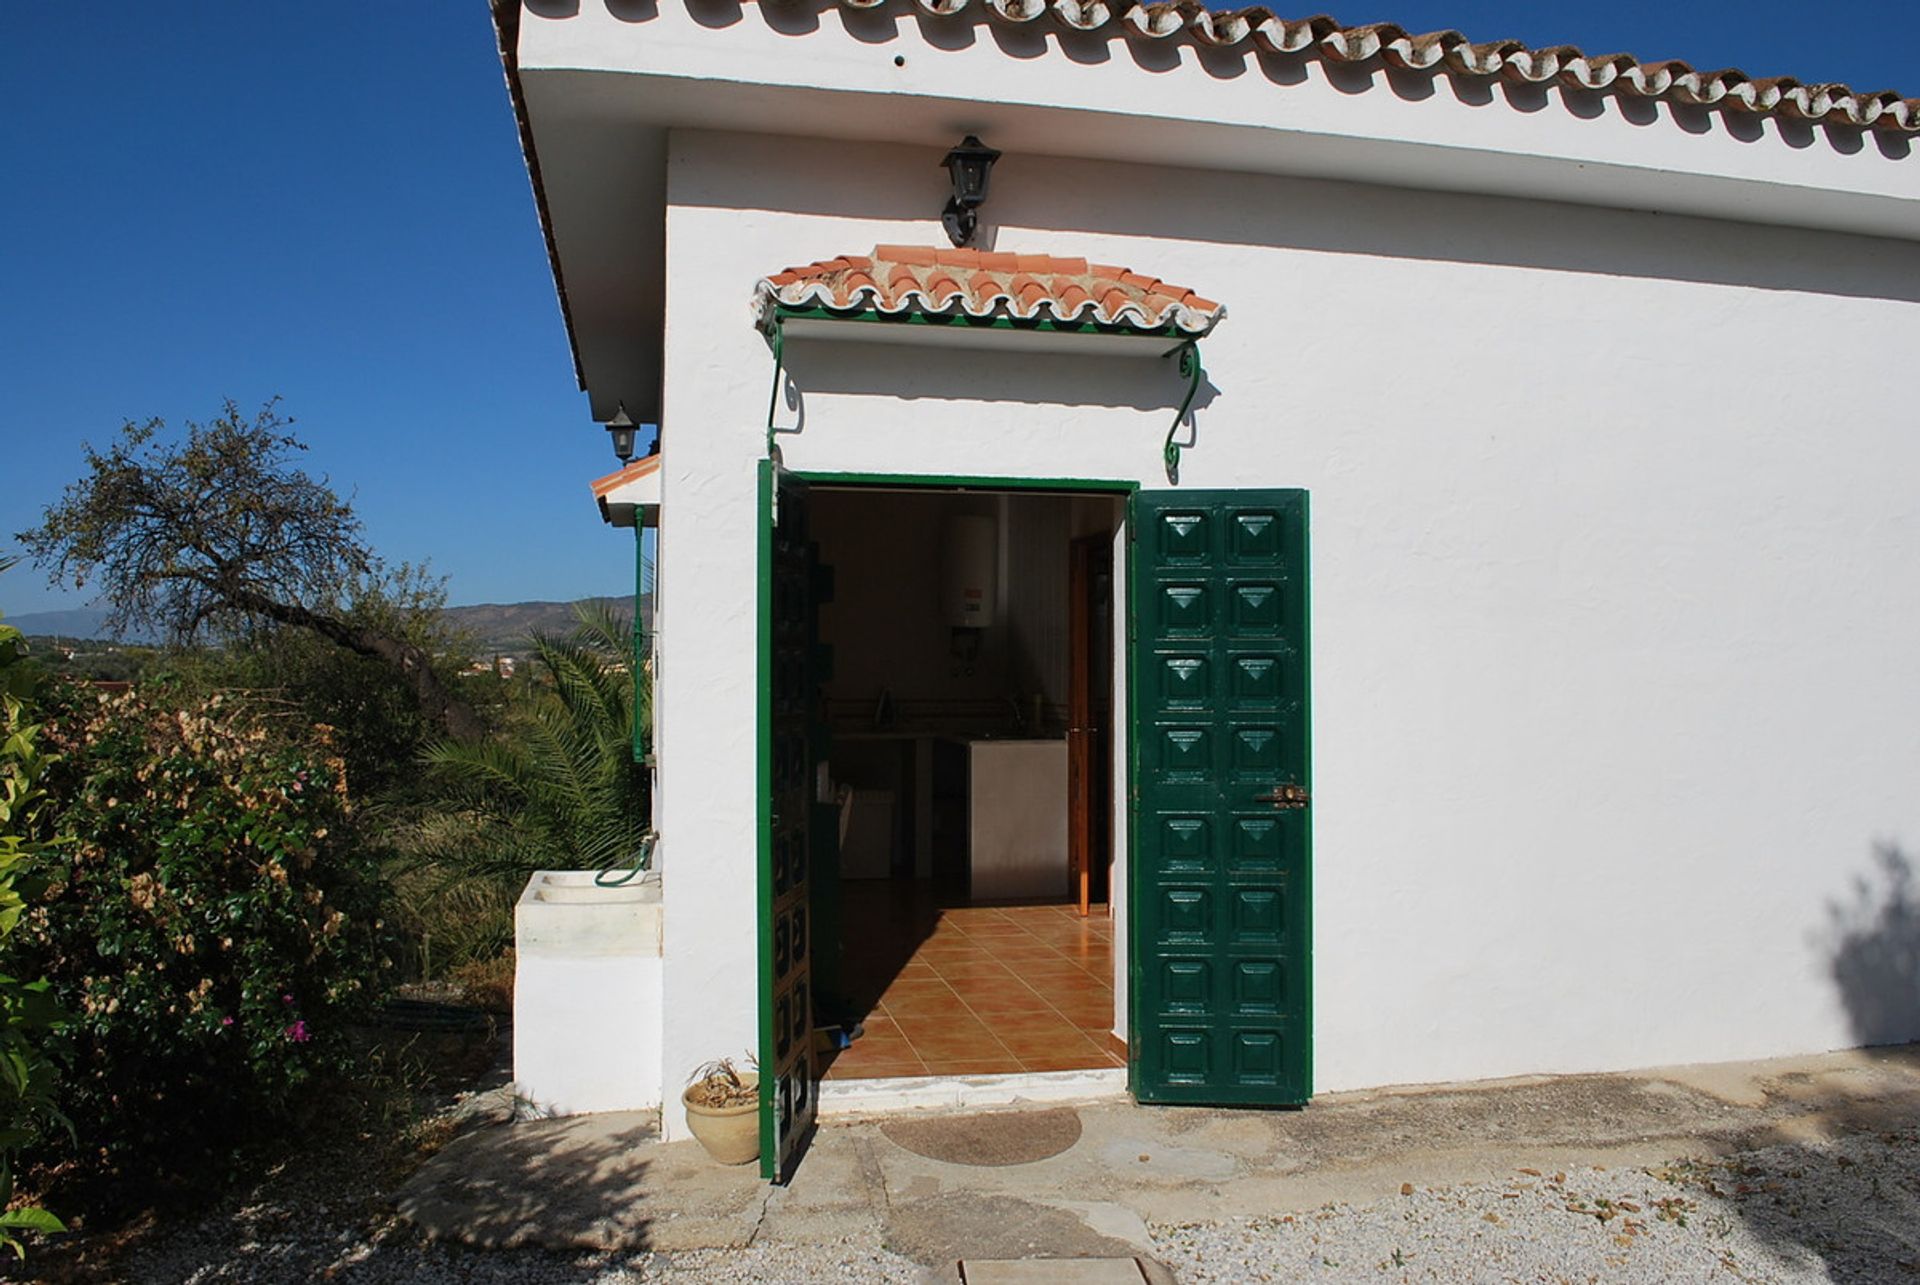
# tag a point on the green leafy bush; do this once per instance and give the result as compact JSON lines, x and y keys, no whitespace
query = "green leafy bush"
{"x":27,"y":1012}
{"x":211,"y":925}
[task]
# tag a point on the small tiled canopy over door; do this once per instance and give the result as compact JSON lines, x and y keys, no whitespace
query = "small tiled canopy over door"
{"x":1219,"y":865}
{"x":789,"y":1079}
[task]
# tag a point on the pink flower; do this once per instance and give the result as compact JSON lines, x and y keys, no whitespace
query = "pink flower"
{"x":298,"y":1033}
{"x":286,"y":999}
{"x":226,"y":1021}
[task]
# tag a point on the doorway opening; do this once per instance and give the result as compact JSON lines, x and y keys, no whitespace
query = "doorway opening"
{"x":970,"y":711}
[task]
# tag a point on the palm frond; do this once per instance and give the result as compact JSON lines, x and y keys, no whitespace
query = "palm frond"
{"x":559,"y":788}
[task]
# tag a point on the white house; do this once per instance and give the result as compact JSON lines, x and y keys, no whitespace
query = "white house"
{"x":984,"y":577}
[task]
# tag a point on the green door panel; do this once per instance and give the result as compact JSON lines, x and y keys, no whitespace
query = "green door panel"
{"x":788,"y":717}
{"x":1221,"y":851}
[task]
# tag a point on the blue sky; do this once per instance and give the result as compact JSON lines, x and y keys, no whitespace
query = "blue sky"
{"x":328,"y":203}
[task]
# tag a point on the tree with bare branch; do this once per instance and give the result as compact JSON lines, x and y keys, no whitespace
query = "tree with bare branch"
{"x":221,"y":532}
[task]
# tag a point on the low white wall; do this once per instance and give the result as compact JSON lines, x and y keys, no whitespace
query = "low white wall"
{"x":587,"y":994}
{"x":1613,"y":538}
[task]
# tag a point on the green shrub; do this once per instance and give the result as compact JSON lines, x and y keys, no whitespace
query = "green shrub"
{"x":211,"y":925}
{"x":27,"y":1012}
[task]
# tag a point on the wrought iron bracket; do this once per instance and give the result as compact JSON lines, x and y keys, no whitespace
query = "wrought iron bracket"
{"x":1193,"y":372}
{"x":777,"y":339}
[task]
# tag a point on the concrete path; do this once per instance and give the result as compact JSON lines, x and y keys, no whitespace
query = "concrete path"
{"x":607,"y":1182}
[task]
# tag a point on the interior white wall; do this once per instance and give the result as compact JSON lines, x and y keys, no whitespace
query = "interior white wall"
{"x":1613,"y":532}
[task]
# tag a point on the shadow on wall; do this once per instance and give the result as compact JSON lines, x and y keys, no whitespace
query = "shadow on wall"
{"x":1872,"y":942}
{"x":1317,"y":216}
{"x":1828,"y":1188}
{"x":939,"y":374}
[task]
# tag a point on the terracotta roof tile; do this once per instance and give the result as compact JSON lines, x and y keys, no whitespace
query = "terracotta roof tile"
{"x":1445,"y":53}
{"x":638,"y":469}
{"x":981,"y":284}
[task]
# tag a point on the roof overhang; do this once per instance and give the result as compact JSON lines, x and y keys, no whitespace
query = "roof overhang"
{"x":598,"y":85}
{"x":630,"y":497}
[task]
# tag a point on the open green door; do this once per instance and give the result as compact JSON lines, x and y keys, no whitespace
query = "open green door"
{"x":789,"y":1079}
{"x":1219,"y":865}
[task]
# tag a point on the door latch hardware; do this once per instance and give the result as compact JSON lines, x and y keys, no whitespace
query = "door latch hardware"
{"x":1286,"y":796}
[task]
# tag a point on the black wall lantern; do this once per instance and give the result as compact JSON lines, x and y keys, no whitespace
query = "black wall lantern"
{"x":967,"y":166}
{"x":620,"y":428}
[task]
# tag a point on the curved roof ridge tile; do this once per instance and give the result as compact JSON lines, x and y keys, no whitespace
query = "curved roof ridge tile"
{"x":1450,"y":52}
{"x":982,"y":285}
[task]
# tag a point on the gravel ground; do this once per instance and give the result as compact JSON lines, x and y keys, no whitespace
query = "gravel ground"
{"x":1845,"y":1211}
{"x":327,"y":1216}
{"x":354,"y":1259}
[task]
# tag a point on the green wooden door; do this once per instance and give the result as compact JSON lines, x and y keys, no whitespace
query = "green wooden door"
{"x":1219,"y":869}
{"x":789,"y":1079}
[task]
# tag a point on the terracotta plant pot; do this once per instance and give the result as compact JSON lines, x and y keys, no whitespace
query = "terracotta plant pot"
{"x":731,"y":1135}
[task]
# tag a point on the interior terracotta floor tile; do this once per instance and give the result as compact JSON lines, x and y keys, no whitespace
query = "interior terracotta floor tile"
{"x":929,"y":980}
{"x":1072,"y":1060}
{"x":1009,"y":983}
{"x":989,"y":928}
{"x":1040,"y":1017}
{"x":917,"y":1027}
{"x":887,"y":1053}
{"x":877,"y":1069}
{"x":1039,"y":1041}
{"x":925,"y":1006}
{"x":995,"y":1012}
{"x":960,"y":1051}
{"x":1024,"y":946}
{"x":1002,"y":1064}
{"x":955,"y":943}
{"x":1056,"y":977}
{"x":947,"y":969}
{"x":953,"y":991}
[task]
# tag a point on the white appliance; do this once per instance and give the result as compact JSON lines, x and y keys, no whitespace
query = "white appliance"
{"x":971,"y":562}
{"x":1018,"y":814}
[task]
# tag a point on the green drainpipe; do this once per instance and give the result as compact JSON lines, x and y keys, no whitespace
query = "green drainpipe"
{"x":642,"y":751}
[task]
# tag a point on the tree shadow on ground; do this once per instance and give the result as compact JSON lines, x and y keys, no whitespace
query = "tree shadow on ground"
{"x":565,"y":1184}
{"x":1837,"y":1189}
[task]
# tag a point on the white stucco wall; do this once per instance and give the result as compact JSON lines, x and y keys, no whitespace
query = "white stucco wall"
{"x":1614,"y":538}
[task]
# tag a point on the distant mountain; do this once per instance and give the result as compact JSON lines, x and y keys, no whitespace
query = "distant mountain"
{"x":504,"y":626}
{"x":494,"y":626}
{"x":79,"y":622}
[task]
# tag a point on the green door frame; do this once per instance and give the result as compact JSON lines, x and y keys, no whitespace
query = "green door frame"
{"x":1120,"y":488}
{"x":1116,"y":487}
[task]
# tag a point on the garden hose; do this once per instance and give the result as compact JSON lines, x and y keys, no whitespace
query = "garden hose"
{"x":621,"y":878}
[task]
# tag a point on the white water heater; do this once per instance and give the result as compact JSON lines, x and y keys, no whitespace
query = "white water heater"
{"x":972,"y":559}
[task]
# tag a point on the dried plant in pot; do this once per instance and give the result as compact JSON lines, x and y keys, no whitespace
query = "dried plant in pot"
{"x":723,"y":1110}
